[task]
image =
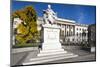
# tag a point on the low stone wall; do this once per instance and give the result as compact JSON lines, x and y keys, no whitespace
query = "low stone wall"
{"x":18,"y":50}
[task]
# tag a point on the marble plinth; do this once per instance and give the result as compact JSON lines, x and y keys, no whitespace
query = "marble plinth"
{"x":51,"y":42}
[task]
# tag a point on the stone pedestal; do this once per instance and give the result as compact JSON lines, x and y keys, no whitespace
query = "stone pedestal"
{"x":51,"y":43}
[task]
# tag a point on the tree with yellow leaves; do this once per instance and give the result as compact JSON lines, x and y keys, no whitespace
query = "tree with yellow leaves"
{"x":27,"y":30}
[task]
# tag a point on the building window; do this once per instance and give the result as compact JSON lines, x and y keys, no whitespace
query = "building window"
{"x":77,"y":28}
{"x":70,"y":27}
{"x":80,"y":34}
{"x":67,"y":26}
{"x":67,"y":33}
{"x":77,"y":34}
{"x":80,"y":29}
{"x":77,"y":39}
{"x":85,"y":29}
{"x":71,"y":33}
{"x":80,"y":39}
{"x":73,"y":39}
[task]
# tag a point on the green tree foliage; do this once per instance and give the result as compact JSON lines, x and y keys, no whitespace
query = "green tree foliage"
{"x":28,"y":28}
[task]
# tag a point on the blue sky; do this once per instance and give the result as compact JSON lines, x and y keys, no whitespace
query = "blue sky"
{"x":80,"y":13}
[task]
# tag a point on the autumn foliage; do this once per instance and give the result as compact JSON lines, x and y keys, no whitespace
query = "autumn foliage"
{"x":27,"y":30}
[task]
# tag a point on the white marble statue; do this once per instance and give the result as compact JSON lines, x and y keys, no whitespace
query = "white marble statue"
{"x":49,"y":16}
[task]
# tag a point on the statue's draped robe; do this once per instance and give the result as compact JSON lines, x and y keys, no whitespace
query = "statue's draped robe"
{"x":49,"y":16}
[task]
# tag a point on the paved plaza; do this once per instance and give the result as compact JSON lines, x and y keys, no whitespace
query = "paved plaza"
{"x":19,"y":57}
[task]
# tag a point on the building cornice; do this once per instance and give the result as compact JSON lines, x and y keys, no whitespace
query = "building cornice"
{"x":66,"y":21}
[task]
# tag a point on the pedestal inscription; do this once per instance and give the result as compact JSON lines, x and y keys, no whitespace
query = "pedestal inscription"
{"x":50,"y":34}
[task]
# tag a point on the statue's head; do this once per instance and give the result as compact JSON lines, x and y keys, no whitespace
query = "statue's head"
{"x":49,"y":6}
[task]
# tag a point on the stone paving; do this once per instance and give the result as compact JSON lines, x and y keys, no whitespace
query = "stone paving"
{"x":83,"y":55}
{"x":18,"y":58}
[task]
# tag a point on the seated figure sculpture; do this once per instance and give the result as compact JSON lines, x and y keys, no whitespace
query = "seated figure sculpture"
{"x":49,"y":16}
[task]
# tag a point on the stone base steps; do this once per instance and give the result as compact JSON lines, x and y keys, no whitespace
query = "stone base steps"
{"x":48,"y":58}
{"x":52,"y":52}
